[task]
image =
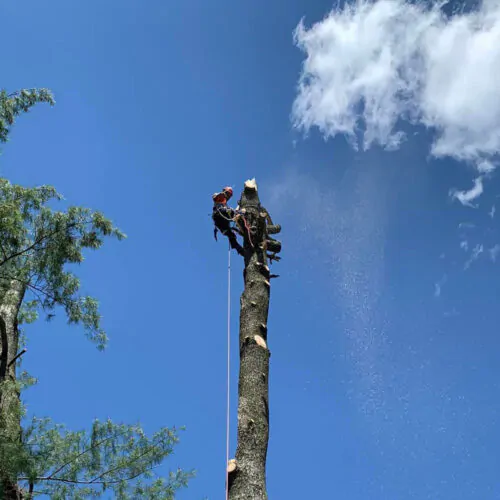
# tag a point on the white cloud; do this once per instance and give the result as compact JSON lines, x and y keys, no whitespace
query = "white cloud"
{"x":439,"y":285}
{"x":451,"y":314}
{"x":485,"y":167}
{"x":476,"y":252}
{"x":492,"y":211}
{"x":466,"y":197}
{"x":494,"y":252}
{"x":464,"y":245}
{"x":373,"y":63}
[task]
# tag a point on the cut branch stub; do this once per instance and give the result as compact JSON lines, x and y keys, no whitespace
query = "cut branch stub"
{"x":232,"y":470}
{"x":273,"y":245}
{"x":260,"y":341}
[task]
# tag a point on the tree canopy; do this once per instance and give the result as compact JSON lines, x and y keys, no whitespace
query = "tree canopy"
{"x":36,"y":245}
{"x":40,"y":249}
{"x":13,"y":104}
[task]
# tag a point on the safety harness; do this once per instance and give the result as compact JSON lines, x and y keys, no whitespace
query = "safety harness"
{"x":238,"y":214}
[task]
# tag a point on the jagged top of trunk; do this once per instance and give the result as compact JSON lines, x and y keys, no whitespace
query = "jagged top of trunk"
{"x":249,"y":196}
{"x":251,"y":184}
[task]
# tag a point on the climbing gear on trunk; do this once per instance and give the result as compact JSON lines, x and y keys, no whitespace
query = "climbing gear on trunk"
{"x":223,"y":216}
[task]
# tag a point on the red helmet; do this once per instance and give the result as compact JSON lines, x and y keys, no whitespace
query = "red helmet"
{"x":228,"y":191}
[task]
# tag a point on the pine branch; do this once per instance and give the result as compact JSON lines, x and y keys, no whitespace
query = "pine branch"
{"x":34,"y":288}
{"x":16,"y":357}
{"x":86,"y":451}
{"x":124,"y":465}
{"x":37,"y":242}
{"x":93,"y":481}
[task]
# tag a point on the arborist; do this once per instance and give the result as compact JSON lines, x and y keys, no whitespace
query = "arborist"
{"x":223,"y":216}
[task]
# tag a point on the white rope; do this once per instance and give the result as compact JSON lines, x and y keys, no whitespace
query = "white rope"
{"x":228,"y":363}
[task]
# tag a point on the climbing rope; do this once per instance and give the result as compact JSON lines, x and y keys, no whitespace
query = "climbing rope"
{"x":247,"y":227}
{"x":228,"y":363}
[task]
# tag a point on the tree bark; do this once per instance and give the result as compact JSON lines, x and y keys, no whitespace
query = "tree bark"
{"x":11,"y":297}
{"x":247,"y":472}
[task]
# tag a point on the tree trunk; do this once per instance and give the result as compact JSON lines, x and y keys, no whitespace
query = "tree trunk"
{"x":11,"y":297}
{"x":247,"y":472}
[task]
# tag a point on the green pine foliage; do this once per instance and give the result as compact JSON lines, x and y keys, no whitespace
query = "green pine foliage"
{"x":111,"y":458}
{"x":37,"y":243}
{"x":40,"y":247}
{"x":12,"y":105}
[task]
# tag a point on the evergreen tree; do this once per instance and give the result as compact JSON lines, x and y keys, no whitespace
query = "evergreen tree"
{"x":12,"y":105}
{"x":37,"y":246}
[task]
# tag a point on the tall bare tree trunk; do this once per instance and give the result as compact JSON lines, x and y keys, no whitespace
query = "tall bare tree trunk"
{"x":11,"y":297}
{"x":247,"y":472}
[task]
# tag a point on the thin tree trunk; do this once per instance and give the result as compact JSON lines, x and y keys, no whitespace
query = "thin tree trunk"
{"x":11,"y":297}
{"x":247,"y":472}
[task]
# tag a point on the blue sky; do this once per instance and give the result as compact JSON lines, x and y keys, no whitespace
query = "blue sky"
{"x":385,"y":353}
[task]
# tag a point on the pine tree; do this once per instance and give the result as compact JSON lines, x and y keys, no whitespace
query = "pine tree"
{"x":247,"y":472}
{"x":12,"y":105}
{"x":37,"y":245}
